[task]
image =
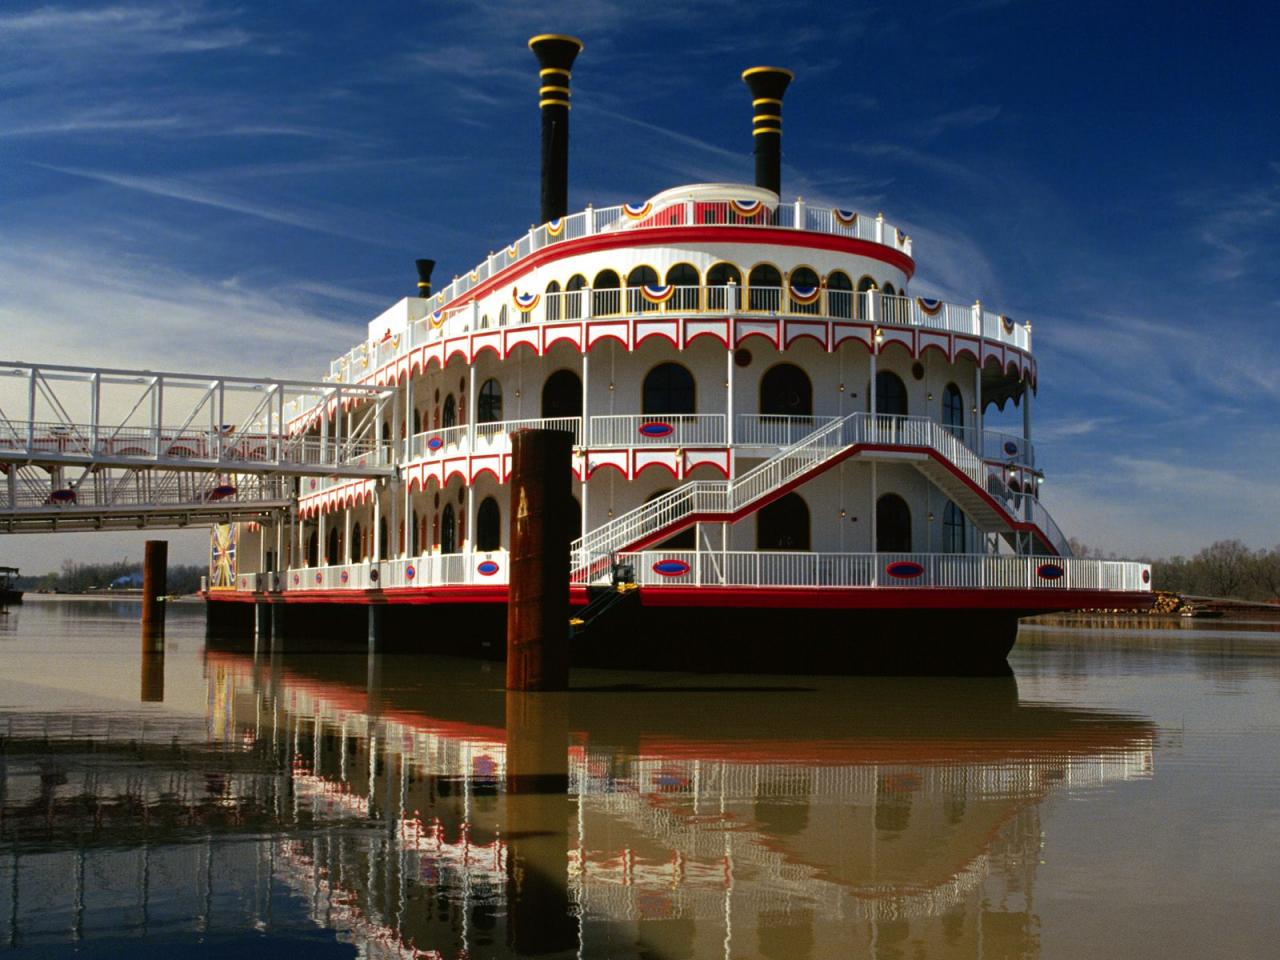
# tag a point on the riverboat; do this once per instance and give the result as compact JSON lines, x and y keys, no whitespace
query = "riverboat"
{"x":778,"y":446}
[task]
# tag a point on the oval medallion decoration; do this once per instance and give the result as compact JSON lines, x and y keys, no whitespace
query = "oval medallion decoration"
{"x":296,"y":579}
{"x":904,"y":569}
{"x":487,"y":568}
{"x":1050,"y":571}
{"x":1010,"y":448}
{"x":656,"y":428}
{"x":1146,"y":576}
{"x":435,"y":443}
{"x":410,"y":572}
{"x":344,"y":576}
{"x":373,"y":575}
{"x":671,"y":568}
{"x":319,"y":577}
{"x":222,"y":491}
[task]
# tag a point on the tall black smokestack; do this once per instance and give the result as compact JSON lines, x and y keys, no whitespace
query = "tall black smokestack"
{"x":767,"y":85}
{"x":424,"y":276}
{"x":555,"y":54}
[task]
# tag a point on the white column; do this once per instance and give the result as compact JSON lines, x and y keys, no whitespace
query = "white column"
{"x":321,"y":558}
{"x":471,"y":518}
{"x":377,"y":524}
{"x":393,"y":527}
{"x":346,"y":536}
{"x":874,"y":532}
{"x":586,"y":393}
{"x":979,"y":445}
{"x":728,"y":397}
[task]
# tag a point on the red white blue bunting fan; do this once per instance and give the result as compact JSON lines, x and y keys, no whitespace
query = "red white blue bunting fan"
{"x":928,"y":306}
{"x":846,"y":218}
{"x":746,"y":208}
{"x":637,"y":211}
{"x":524,"y":301}
{"x":804,"y":294}
{"x":657,"y":293}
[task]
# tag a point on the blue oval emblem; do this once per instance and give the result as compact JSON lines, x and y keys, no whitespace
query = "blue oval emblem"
{"x":344,"y":576}
{"x":656,"y":429}
{"x":904,"y":569}
{"x":435,"y":443}
{"x":1050,"y":571}
{"x":1010,"y":447}
{"x":487,"y":569}
{"x":319,"y":577}
{"x":671,"y":568}
{"x":410,"y":572}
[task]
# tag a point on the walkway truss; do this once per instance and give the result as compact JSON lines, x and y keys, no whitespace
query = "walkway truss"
{"x":90,"y":449}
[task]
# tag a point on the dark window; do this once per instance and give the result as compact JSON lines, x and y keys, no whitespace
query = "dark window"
{"x":783,"y":524}
{"x":383,"y":546}
{"x":562,"y":395}
{"x":313,"y":549}
{"x":489,"y":403}
{"x":448,"y":530}
{"x":449,"y":418}
{"x":488,"y":525}
{"x":718,"y":279}
{"x":785,"y":390}
{"x":766,"y":288}
{"x":952,"y":529}
{"x":605,"y":294}
{"x":893,"y":525}
{"x":865,"y":287}
{"x":891,"y":394}
{"x":684,"y":540}
{"x":331,"y":555}
{"x":357,"y":548}
{"x":668,"y":388}
{"x":889,"y":291}
{"x":684,"y":277}
{"x":637,"y":278}
{"x":553,"y":299}
{"x":573,"y":304}
{"x":417,"y":421}
{"x":953,"y":409}
{"x":839,"y":295}
{"x":803,"y":278}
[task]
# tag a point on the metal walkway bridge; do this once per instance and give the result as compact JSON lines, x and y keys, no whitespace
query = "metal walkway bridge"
{"x":85,"y":448}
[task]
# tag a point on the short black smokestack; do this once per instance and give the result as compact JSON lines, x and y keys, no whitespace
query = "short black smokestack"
{"x":767,"y":85}
{"x":555,"y":54}
{"x":424,"y":276}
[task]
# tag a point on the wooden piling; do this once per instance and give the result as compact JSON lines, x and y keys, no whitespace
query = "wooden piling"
{"x":538,"y":604}
{"x":155,"y":585}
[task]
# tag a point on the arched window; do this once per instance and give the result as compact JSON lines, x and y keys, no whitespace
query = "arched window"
{"x":331,"y":553}
{"x":357,"y":544}
{"x":893,"y":525}
{"x":952,"y":529}
{"x":783,"y":524}
{"x":313,"y":549}
{"x":606,"y":298}
{"x":573,"y":296}
{"x":417,"y":421}
{"x":766,"y":288}
{"x":489,"y":402}
{"x":668,"y":388}
{"x":553,"y":301}
{"x":637,"y":278}
{"x":502,"y":315}
{"x":488,"y":525}
{"x":383,"y":545}
{"x":684,"y":277}
{"x":448,"y":530}
{"x":785,"y":391}
{"x":839,"y":294}
{"x":386,"y":433}
{"x":449,"y":416}
{"x":866,"y":288}
{"x":719,"y":277}
{"x":803,"y":280}
{"x":953,"y":410}
{"x":562,"y":395}
{"x":684,"y":540}
{"x":891,"y":394}
{"x":889,"y":291}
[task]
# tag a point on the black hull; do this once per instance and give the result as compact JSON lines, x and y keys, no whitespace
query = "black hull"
{"x":9,"y":597}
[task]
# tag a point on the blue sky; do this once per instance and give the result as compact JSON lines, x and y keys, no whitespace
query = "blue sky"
{"x":239,"y":188}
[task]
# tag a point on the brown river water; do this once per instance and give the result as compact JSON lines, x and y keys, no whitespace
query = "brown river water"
{"x":1117,"y":796}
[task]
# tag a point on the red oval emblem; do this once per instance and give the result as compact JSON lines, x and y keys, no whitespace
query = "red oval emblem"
{"x":904,"y":569}
{"x":671,"y":568}
{"x":487,"y":568}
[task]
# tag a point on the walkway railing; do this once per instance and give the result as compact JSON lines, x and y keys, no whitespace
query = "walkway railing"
{"x":667,"y":568}
{"x":429,"y":570}
{"x":831,"y":305}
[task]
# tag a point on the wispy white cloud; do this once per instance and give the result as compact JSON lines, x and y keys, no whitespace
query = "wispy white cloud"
{"x":134,"y":29}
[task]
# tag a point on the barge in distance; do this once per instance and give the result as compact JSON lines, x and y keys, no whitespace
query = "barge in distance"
{"x":774,"y":438}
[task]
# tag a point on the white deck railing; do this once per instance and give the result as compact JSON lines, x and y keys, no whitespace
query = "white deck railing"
{"x":875,"y":307}
{"x":429,"y":570}
{"x":658,"y":429}
{"x":658,"y":568}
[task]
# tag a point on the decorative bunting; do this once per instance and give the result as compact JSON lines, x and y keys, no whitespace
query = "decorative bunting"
{"x":846,"y":218}
{"x":637,"y":211}
{"x":1007,"y":323}
{"x":475,"y":275}
{"x":513,"y":251}
{"x":657,"y":293}
{"x":746,"y":208}
{"x":524,"y":301}
{"x":437,"y":319}
{"x":805,"y":295}
{"x":555,"y":227}
{"x":928,"y":306}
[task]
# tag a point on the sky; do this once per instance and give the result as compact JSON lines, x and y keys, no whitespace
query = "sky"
{"x":239,"y":188}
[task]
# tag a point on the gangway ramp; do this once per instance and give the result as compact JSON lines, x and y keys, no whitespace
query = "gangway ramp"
{"x":104,"y":448}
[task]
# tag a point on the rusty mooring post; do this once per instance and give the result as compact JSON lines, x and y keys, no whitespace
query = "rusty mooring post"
{"x":538,"y":604}
{"x":155,"y":561}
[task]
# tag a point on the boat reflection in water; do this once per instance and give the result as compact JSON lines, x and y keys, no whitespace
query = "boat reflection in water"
{"x":407,"y":806}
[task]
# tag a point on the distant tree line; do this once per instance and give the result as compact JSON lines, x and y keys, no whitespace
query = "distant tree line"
{"x":1226,"y":568}
{"x":122,"y":574}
